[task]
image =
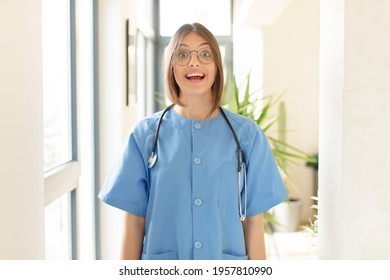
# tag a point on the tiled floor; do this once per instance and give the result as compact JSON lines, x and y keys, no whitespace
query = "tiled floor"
{"x":291,"y":246}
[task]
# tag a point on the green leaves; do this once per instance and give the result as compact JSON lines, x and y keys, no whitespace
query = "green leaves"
{"x":312,"y":227}
{"x":248,"y":103}
{"x":260,"y":109}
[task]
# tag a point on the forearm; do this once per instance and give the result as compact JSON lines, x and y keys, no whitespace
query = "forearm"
{"x":254,"y":237}
{"x":133,"y":237}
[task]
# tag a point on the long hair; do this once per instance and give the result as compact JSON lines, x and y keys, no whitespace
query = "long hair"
{"x":172,"y":89}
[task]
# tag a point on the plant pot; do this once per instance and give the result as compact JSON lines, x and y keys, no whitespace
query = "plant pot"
{"x":287,"y":215}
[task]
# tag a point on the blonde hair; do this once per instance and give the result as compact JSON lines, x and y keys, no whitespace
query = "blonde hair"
{"x":172,"y":89}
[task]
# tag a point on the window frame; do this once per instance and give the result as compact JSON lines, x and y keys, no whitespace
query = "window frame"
{"x":63,"y":179}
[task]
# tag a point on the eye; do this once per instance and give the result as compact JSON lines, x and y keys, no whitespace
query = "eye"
{"x":182,"y":54}
{"x":205,"y":53}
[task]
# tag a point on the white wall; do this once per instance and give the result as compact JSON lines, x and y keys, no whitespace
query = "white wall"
{"x":355,"y":96}
{"x":112,"y":16}
{"x":21,"y":125}
{"x":291,"y":50}
{"x":116,"y":119}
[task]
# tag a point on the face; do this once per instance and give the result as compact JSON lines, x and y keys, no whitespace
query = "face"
{"x":195,"y":77}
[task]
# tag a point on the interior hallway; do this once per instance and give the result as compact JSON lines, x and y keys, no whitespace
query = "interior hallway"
{"x":353,"y":67}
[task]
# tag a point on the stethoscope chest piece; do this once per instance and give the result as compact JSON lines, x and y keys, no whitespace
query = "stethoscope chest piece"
{"x":153,"y":156}
{"x":152,"y":160}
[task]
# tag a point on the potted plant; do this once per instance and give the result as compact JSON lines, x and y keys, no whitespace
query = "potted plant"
{"x":288,"y":213}
{"x":258,"y":109}
{"x":312,"y":227}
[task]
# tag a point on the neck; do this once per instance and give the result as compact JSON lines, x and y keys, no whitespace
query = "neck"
{"x":196,"y":109}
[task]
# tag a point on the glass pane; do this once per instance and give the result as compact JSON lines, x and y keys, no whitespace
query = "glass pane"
{"x":57,"y":227}
{"x":141,"y":74}
{"x":223,"y":55}
{"x":174,"y":13}
{"x":56,"y":82}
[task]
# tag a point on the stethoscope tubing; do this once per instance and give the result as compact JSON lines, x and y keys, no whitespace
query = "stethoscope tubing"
{"x":241,"y":161}
{"x":153,"y":157}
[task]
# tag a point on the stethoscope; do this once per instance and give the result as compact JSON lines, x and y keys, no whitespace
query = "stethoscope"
{"x":241,"y":164}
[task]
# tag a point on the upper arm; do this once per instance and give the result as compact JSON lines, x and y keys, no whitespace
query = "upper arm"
{"x":132,"y":220}
{"x":254,"y":237}
{"x":133,"y":236}
{"x":264,"y":185}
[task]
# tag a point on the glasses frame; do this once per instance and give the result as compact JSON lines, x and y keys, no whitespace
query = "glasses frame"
{"x":190,"y":56}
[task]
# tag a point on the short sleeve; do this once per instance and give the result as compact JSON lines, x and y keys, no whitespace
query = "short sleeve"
{"x":264,"y":185}
{"x":126,"y":185}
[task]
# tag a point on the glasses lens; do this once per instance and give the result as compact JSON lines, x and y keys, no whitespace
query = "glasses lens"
{"x":183,"y":57}
{"x":205,"y":56}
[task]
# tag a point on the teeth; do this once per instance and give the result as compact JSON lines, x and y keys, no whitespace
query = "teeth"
{"x":195,"y":75}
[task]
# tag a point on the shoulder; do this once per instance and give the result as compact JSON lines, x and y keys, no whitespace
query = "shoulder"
{"x":144,"y":127}
{"x":240,"y":122}
{"x":146,"y":123}
{"x":248,"y":131}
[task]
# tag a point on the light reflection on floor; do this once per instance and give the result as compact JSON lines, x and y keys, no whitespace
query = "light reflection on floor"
{"x":291,"y":246}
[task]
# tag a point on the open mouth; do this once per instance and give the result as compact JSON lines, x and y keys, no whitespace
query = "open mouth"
{"x":195,"y":76}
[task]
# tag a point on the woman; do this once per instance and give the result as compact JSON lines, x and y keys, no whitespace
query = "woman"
{"x":192,"y":202}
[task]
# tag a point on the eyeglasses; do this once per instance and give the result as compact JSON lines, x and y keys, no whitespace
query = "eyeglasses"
{"x":183,"y":57}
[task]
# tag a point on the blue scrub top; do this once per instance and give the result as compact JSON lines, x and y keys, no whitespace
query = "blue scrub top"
{"x":190,"y":196}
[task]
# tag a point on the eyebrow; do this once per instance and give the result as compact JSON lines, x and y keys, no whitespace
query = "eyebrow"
{"x":201,"y":45}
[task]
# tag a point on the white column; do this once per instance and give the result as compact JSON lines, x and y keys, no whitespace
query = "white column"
{"x":354,"y":189}
{"x":21,"y":127}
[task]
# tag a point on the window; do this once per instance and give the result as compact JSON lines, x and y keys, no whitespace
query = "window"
{"x":56,"y":83}
{"x":58,"y":227}
{"x":174,"y":13}
{"x":60,"y":146}
{"x":145,"y":64}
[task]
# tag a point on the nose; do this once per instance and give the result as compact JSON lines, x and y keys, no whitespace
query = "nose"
{"x":194,"y":59}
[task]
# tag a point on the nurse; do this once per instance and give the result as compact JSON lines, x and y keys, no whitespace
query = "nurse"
{"x":189,"y":204}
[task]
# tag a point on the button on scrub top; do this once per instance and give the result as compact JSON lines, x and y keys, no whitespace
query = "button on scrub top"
{"x":190,"y":196}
